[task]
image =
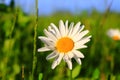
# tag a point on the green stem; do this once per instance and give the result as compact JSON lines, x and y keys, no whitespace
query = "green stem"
{"x":70,"y":74}
{"x":34,"y":45}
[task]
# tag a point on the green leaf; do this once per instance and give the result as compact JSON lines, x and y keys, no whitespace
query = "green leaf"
{"x":40,"y":76}
{"x":96,"y":74}
{"x":76,"y":71}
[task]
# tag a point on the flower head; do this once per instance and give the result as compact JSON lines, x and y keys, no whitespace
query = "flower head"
{"x":114,"y":34}
{"x":64,"y":42}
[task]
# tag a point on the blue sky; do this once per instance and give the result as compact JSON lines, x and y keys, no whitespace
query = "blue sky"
{"x":47,"y":7}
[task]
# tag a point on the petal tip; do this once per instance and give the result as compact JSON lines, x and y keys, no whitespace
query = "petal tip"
{"x":90,"y":36}
{"x":70,"y":68}
{"x":47,"y":58}
{"x":66,"y":20}
{"x":39,"y":37}
{"x":38,"y":50}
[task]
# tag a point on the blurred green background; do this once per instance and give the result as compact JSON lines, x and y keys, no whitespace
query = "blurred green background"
{"x":101,"y":60}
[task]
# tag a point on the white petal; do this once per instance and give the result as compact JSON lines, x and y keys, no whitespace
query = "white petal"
{"x":50,"y":35}
{"x":76,"y":29}
{"x":69,"y":64}
{"x":51,"y":47}
{"x":68,"y":60}
{"x":82,"y":27}
{"x":66,"y":26}
{"x":62,"y":28}
{"x":80,"y":47}
{"x":57,"y":60}
{"x":43,"y":49}
{"x":60,"y":58}
{"x":80,"y":35}
{"x":78,"y":54}
{"x":70,"y":29}
{"x":54,"y":64}
{"x":78,"y":60}
{"x":70,"y":54}
{"x":83,"y":46}
{"x":46,"y":40}
{"x":51,"y":30}
{"x":65,"y":57}
{"x":52,"y":55}
{"x":56,"y":30}
{"x":83,"y":41}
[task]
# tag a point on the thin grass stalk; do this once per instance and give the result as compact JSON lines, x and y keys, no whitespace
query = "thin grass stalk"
{"x":34,"y":45}
{"x":13,"y":25}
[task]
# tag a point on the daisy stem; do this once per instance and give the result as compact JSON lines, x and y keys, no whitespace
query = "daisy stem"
{"x":70,"y":74}
{"x":34,"y":45}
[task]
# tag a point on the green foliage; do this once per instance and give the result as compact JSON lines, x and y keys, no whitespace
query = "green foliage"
{"x":40,"y":76}
{"x":96,"y":74}
{"x":76,"y":71}
{"x":101,"y":57}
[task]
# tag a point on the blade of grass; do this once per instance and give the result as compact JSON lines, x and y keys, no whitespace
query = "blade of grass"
{"x":34,"y":45}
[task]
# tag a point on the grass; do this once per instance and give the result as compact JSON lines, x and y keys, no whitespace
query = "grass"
{"x":101,"y":57}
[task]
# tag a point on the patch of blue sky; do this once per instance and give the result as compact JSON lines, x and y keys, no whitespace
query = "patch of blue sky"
{"x":47,"y":7}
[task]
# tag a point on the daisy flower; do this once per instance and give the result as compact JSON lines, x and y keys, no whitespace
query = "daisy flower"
{"x":64,"y":42}
{"x":114,"y":34}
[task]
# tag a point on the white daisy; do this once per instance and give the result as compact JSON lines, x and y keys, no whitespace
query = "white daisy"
{"x":114,"y":34}
{"x":64,"y":42}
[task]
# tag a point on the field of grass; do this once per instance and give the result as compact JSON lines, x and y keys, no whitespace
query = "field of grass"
{"x":101,"y":60}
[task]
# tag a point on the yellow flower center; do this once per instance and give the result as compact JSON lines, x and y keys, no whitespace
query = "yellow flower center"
{"x":116,"y":38}
{"x":64,"y":44}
